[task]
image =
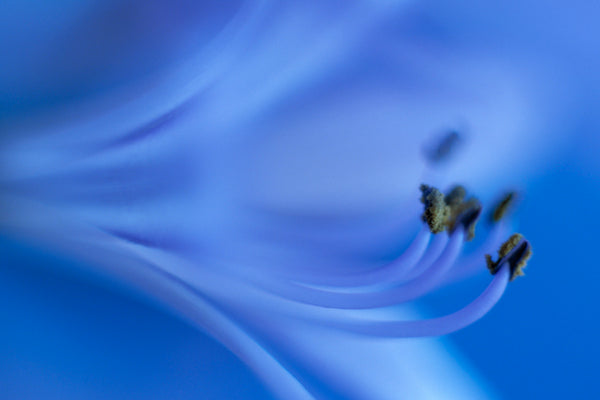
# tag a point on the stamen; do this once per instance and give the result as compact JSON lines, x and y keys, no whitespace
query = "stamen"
{"x":515,"y":251}
{"x":503,"y":206}
{"x":416,"y":273}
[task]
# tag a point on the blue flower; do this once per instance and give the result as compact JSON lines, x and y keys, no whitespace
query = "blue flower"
{"x":258,"y":172}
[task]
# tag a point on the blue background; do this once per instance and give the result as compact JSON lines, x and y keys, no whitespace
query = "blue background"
{"x":541,"y":341}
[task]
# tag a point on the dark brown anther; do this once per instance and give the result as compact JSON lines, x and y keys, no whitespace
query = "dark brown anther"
{"x":503,"y":207}
{"x":450,"y":211}
{"x":455,"y":196}
{"x":463,"y":212}
{"x":515,"y":251}
{"x":468,"y":216}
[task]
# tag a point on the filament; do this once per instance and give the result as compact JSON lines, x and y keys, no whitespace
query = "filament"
{"x":438,"y":245}
{"x":364,"y":300}
{"x":387,"y":273}
{"x":434,"y":326}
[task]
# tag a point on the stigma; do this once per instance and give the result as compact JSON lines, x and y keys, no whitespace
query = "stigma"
{"x":516,"y":251}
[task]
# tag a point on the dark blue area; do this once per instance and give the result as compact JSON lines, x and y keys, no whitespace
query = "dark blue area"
{"x":541,"y":340}
{"x":66,"y":337}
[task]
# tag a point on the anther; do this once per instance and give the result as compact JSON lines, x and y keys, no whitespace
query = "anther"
{"x":450,"y":211}
{"x":436,"y":210}
{"x":468,"y":214}
{"x":455,"y":196}
{"x":465,"y":213}
{"x":503,"y":206}
{"x":515,"y":251}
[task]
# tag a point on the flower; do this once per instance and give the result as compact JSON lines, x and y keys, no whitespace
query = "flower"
{"x":262,"y":187}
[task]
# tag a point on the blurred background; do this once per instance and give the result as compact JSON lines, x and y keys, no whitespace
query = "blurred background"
{"x":67,"y":335}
